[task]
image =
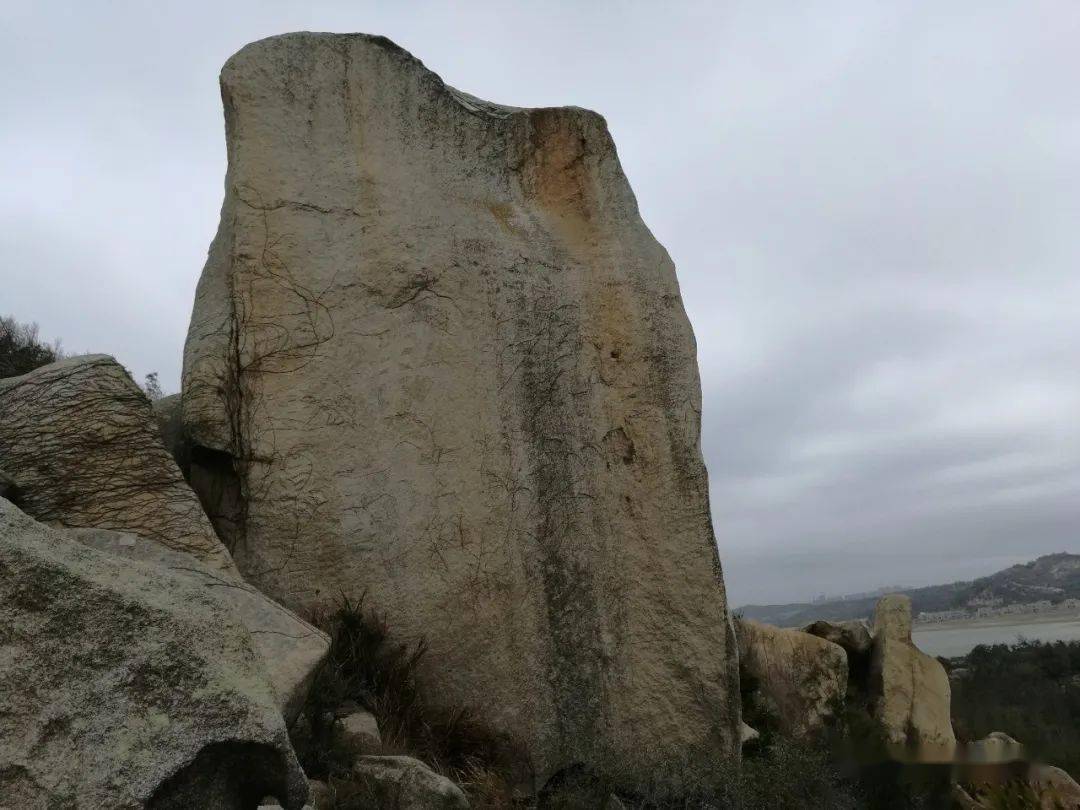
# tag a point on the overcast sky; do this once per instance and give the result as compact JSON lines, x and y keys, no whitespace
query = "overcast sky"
{"x":874,"y":208}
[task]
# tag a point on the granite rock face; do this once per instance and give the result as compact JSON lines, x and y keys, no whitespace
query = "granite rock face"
{"x":127,"y":687}
{"x":437,"y":357}
{"x":291,"y":649}
{"x":909,"y":689}
{"x":86,"y":446}
{"x":800,"y":679}
{"x":81,"y":439}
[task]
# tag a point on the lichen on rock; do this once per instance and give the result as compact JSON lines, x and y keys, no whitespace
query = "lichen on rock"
{"x":125,"y":686}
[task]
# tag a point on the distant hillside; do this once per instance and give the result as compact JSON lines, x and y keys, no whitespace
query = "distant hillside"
{"x":1054,"y":577}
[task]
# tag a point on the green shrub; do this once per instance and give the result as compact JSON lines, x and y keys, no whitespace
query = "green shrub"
{"x":1030,"y":691}
{"x":21,"y":350}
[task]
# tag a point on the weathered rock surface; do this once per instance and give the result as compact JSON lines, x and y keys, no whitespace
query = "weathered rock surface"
{"x":1056,"y":789}
{"x":801,"y":679}
{"x":85,"y":442}
{"x":404,"y":783}
{"x":446,"y":364}
{"x":80,"y":437}
{"x":358,"y":732}
{"x":854,"y":636}
{"x":127,"y":687}
{"x":291,"y":648}
{"x":909,"y":689}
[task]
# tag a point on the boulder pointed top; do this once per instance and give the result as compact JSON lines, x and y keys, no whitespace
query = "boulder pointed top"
{"x":892,"y":617}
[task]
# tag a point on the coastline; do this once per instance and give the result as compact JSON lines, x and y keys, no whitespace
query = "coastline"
{"x":1008,"y":620}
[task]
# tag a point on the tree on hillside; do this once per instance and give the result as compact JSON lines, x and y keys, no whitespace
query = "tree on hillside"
{"x":152,"y":387}
{"x":21,"y":350}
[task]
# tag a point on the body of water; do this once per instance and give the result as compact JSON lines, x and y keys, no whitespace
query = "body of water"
{"x":959,"y":639}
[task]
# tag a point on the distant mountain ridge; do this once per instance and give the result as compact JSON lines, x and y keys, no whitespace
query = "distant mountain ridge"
{"x":1053,"y":577}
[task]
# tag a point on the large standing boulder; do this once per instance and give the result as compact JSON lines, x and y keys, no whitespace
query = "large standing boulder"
{"x":909,"y":690}
{"x":801,"y":680}
{"x":125,"y":686}
{"x":449,"y":367}
{"x":80,"y":437}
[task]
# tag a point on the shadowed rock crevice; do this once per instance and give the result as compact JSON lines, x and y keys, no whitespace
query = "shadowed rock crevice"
{"x":232,"y":775}
{"x":212,"y":475}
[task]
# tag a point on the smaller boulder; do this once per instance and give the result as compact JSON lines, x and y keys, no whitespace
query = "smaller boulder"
{"x":854,"y":636}
{"x":81,"y":438}
{"x":909,"y":689}
{"x":405,"y":783}
{"x":801,"y":680}
{"x":358,"y":732}
{"x":995,"y":747}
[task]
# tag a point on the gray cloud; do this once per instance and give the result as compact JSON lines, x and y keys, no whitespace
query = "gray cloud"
{"x":872,"y":207}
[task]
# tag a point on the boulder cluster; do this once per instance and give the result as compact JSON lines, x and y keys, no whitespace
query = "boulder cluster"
{"x":436,"y":362}
{"x":871,"y":687}
{"x":146,"y":671}
{"x":804,"y":681}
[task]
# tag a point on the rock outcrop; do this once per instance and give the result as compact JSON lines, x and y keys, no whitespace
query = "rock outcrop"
{"x":910,"y":691}
{"x":801,"y":680}
{"x":125,"y":686}
{"x":80,"y":437}
{"x":436,"y":356}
